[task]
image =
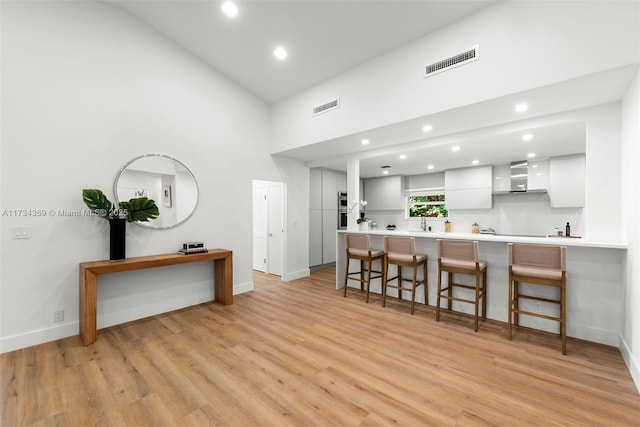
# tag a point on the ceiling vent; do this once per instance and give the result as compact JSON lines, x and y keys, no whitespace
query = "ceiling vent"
{"x":331,"y":105}
{"x":455,"y":61}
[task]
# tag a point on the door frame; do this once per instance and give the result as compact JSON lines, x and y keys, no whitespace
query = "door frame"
{"x":266,"y":183}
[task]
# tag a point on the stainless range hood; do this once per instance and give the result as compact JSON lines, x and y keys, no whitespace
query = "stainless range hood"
{"x":520,"y":179}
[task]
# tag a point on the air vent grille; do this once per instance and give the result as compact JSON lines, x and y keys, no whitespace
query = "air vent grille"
{"x":331,"y":105}
{"x":455,"y":61}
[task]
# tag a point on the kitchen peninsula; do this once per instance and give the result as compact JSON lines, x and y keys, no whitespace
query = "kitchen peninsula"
{"x":594,"y":280}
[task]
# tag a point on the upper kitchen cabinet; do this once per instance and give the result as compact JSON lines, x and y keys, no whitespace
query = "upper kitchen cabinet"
{"x":342,"y":183}
{"x":469,"y":188}
{"x":329,"y":189}
{"x":315,"y":189}
{"x":567,"y":181}
{"x":538,"y":175}
{"x":384,"y":194}
{"x":502,"y":178}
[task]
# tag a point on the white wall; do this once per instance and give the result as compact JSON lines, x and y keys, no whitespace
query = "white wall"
{"x":630,"y":336}
{"x":86,"y":87}
{"x":523,"y":45}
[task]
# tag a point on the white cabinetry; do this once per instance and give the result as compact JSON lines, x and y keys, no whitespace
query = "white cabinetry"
{"x":538,"y":175}
{"x":329,"y":227}
{"x":502,"y":177}
{"x":469,"y":188}
{"x":315,"y":237}
{"x":329,"y":189}
{"x":384,"y":194}
{"x":315,"y":189}
{"x":342,"y":182}
{"x":567,"y":182}
{"x":324,"y":186}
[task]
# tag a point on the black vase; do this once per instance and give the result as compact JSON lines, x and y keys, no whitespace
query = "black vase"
{"x":117,"y":229}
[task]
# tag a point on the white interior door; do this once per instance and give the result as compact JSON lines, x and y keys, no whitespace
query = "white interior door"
{"x":275,"y":228}
{"x":259,"y":226}
{"x":268,"y":227}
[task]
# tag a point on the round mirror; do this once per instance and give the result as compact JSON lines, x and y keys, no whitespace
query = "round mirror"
{"x":161,"y":178}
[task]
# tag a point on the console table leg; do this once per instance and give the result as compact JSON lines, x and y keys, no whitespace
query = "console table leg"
{"x":88,"y":306}
{"x":224,"y":280}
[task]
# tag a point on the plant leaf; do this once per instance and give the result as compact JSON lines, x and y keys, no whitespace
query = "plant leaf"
{"x":98,"y":203}
{"x":140,"y":209}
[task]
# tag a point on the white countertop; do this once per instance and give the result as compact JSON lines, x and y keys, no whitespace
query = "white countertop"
{"x":565,"y":241}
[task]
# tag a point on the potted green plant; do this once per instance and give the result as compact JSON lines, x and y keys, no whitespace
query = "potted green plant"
{"x":136,"y":209}
{"x":363,"y":222}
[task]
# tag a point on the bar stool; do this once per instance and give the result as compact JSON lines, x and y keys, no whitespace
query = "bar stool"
{"x":539,"y":265}
{"x":358,"y":247}
{"x":401,"y":251}
{"x":457,"y":256}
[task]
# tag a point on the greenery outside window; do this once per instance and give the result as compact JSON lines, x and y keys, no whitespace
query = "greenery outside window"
{"x":426,"y":203}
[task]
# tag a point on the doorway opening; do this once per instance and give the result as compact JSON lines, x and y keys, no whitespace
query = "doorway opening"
{"x":268,"y":227}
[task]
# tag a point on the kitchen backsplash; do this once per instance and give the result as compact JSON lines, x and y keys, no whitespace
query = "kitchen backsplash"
{"x":511,"y":214}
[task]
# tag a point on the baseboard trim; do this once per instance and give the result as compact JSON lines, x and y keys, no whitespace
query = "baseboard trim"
{"x":296,"y":275}
{"x":632,"y":363}
{"x":40,"y":336}
{"x":241,"y":288}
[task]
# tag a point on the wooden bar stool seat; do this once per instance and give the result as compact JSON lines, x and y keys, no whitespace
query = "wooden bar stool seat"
{"x":538,"y":265}
{"x":461,"y":257}
{"x":401,"y":251}
{"x":358,"y":247}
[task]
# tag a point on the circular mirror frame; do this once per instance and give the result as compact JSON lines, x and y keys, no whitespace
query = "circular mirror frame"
{"x":195,"y":182}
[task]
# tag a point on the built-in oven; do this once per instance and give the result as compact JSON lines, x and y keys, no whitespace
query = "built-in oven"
{"x":342,"y":220}
{"x":342,"y":200}
{"x":342,"y":211}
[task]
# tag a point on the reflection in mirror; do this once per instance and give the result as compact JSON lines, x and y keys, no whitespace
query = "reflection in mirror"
{"x":161,"y":178}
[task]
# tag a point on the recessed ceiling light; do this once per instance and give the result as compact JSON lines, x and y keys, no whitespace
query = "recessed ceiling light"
{"x":427,"y":128}
{"x":455,"y":148}
{"x":534,"y":166}
{"x":531,"y":155}
{"x":385,"y":172}
{"x":497,"y":177}
{"x":527,"y":137}
{"x":430,"y":167}
{"x":229,"y":8}
{"x":521,"y":108}
{"x":402,"y":156}
{"x":280,"y":53}
{"x":365,"y":142}
{"x":475,"y":162}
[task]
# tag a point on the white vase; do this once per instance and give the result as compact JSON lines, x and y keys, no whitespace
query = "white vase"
{"x":363,"y":226}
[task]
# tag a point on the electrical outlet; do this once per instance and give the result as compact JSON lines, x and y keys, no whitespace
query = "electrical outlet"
{"x":537,"y":307}
{"x":20,"y":232}
{"x":58,"y":316}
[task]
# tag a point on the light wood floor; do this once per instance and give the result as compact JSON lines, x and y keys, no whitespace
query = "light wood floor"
{"x":300,"y":354}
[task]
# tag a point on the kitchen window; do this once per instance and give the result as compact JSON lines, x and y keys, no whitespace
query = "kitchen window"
{"x":429,"y":203}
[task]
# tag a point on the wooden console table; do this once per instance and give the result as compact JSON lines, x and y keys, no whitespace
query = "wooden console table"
{"x":89,"y":271}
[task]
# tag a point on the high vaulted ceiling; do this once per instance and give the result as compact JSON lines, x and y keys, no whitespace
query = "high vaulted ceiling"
{"x":323,"y":38}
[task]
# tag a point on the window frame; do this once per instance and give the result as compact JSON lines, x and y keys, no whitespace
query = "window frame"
{"x":424,"y":192}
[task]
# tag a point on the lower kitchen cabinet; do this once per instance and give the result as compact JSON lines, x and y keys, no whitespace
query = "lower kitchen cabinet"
{"x":315,"y":237}
{"x":323,"y":224}
{"x":329,"y":228}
